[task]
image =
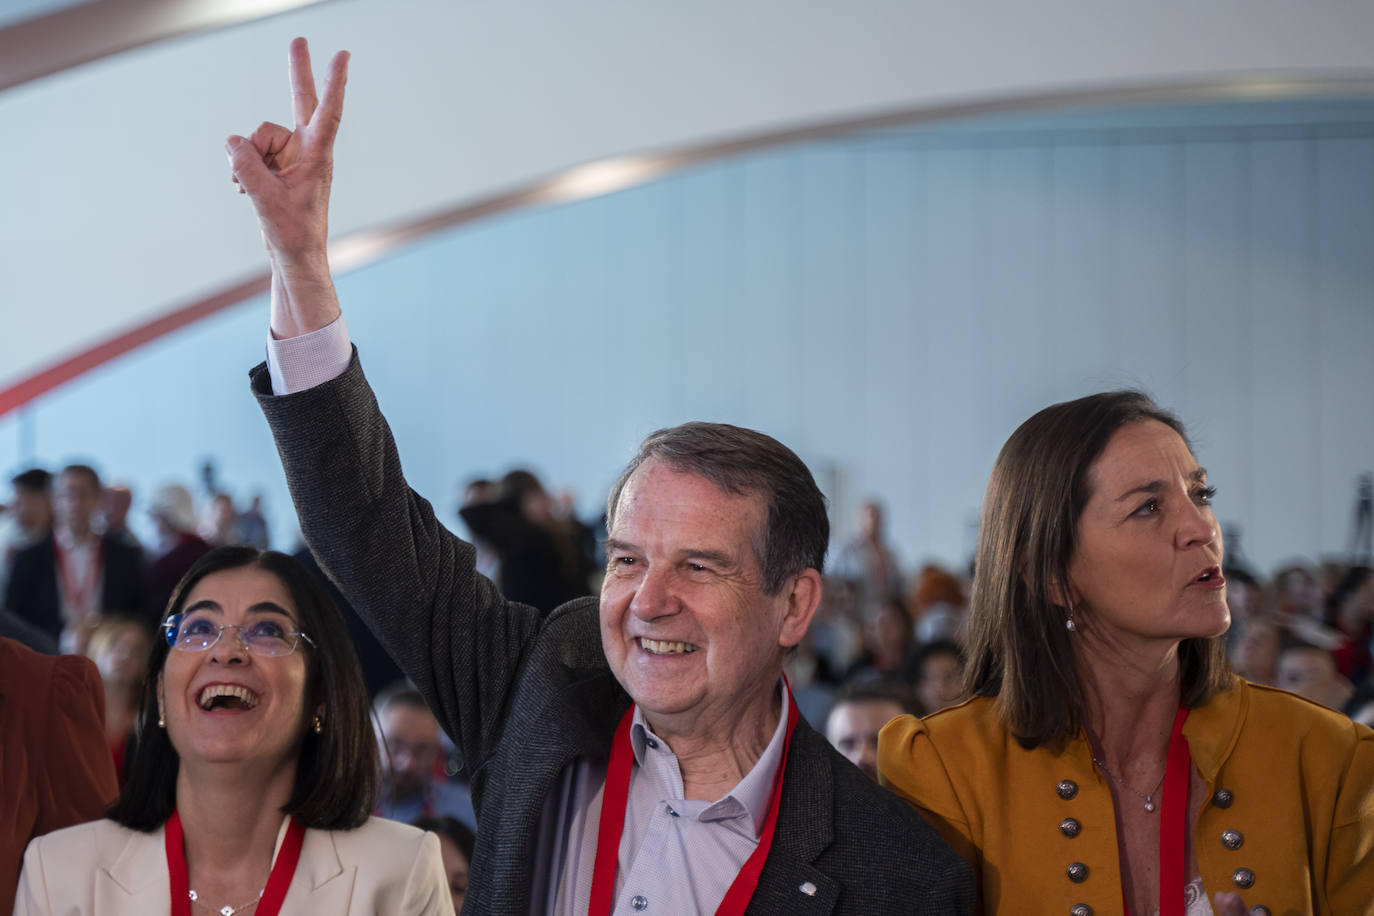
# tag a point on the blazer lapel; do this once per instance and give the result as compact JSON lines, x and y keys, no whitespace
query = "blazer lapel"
{"x":322,"y":883}
{"x":789,"y":883}
{"x":137,"y":883}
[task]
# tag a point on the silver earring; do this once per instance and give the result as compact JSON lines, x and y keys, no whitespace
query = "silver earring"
{"x":1069,"y":624}
{"x":161,"y":722}
{"x":318,"y":725}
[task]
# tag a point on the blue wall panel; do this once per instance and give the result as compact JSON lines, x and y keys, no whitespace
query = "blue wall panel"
{"x":892,"y":306}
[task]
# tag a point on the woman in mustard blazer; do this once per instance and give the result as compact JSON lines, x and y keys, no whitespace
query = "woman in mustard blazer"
{"x":1109,"y":762}
{"x":253,"y":774}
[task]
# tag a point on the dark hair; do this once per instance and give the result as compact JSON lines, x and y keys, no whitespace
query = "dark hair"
{"x":83,"y":470}
{"x":34,"y":480}
{"x":1019,"y":650}
{"x":336,"y":775}
{"x":1351,"y":582}
{"x":796,"y":531}
{"x":875,"y":692}
{"x":931,"y":649}
{"x":452,"y":828}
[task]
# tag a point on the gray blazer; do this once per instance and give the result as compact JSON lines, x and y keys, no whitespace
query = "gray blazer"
{"x":523,"y":696}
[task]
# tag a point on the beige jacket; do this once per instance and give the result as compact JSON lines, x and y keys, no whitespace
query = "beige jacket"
{"x":1288,"y":822}
{"x":103,"y":869}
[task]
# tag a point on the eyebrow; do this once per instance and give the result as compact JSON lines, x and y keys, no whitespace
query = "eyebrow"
{"x":700,"y":553}
{"x":262,"y":607}
{"x":1156,"y":486}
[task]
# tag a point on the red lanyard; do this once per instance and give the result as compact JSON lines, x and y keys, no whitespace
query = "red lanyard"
{"x":78,"y":596}
{"x":277,"y":882}
{"x":613,"y":804}
{"x":1173,"y":824}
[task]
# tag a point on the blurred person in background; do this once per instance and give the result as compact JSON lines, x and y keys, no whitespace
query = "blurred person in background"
{"x":1310,"y":671}
{"x":1350,"y":611}
{"x":1243,"y":597}
{"x":455,"y":845}
{"x":529,"y":562}
{"x":220,"y":526}
{"x":253,"y":525}
{"x":120,"y":648}
{"x":113,"y":518}
{"x":414,"y":783}
{"x":866,"y":559}
{"x":938,"y":605}
{"x":937,"y":674}
{"x":55,"y":770}
{"x":888,"y":639}
{"x":178,"y":547}
{"x":1254,"y":650}
{"x":859,"y":713}
{"x":64,"y":583}
{"x":27,"y":520}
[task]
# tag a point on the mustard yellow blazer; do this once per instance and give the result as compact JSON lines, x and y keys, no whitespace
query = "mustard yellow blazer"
{"x":1289,"y":823}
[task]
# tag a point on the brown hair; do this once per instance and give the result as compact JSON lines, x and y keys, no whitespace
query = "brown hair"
{"x":796,"y":531}
{"x":1019,"y":649}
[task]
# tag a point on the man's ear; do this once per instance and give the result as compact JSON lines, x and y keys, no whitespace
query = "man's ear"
{"x":803,"y":597}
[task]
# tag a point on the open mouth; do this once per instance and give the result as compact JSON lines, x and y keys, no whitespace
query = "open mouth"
{"x":226,"y":696}
{"x":664,"y":647}
{"x":1210,"y":576}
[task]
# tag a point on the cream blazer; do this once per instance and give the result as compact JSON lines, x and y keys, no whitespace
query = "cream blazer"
{"x":103,"y":869}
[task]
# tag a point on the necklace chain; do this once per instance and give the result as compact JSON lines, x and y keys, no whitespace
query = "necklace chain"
{"x":1147,"y":797}
{"x":226,"y":910}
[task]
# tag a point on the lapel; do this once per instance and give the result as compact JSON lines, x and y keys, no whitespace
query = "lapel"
{"x":136,"y":883}
{"x":789,"y":882}
{"x":323,"y":883}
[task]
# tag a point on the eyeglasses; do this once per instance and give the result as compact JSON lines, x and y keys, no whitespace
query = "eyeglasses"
{"x":198,"y":632}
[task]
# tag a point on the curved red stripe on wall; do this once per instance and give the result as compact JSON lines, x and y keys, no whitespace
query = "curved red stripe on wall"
{"x":46,"y":380}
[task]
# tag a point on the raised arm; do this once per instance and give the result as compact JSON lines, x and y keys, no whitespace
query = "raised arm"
{"x":287,"y":175}
{"x":411,"y":579}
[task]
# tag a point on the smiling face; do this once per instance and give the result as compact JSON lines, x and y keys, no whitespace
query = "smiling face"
{"x":224,"y":704}
{"x":1147,"y":566}
{"x":685,"y":623}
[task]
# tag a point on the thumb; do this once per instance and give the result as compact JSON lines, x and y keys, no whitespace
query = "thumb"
{"x":247,"y":165}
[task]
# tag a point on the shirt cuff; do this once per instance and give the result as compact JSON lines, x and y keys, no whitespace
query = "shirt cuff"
{"x":297,"y":363}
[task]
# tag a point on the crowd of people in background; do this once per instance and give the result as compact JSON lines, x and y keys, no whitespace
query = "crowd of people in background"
{"x":886,"y":640}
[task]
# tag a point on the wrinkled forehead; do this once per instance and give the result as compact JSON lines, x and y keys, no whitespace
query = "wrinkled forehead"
{"x":658,"y":486}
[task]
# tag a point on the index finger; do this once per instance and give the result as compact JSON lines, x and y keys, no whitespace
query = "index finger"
{"x":303,"y":100}
{"x":324,"y":124}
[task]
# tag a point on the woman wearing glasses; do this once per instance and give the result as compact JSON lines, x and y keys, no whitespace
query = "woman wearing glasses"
{"x":251,"y":782}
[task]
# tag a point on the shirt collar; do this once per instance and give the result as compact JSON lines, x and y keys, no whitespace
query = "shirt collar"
{"x":754,"y":792}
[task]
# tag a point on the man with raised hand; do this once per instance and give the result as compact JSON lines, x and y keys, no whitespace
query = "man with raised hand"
{"x":637,"y":754}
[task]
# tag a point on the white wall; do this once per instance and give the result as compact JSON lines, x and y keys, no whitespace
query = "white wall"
{"x":890,"y":306}
{"x":117,"y":207}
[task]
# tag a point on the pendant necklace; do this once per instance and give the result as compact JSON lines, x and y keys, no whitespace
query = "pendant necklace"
{"x":1147,"y":797}
{"x":225,"y":910}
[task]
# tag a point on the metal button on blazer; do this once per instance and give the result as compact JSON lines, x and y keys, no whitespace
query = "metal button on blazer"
{"x":1081,"y":909}
{"x":1232,"y":839}
{"x":1243,"y":877}
{"x":1067,"y":789}
{"x":1078,"y":872}
{"x":1070,"y":827}
{"x":1222,"y":798}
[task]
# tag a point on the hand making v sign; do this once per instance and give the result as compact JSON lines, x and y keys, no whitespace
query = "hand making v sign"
{"x":287,"y":174}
